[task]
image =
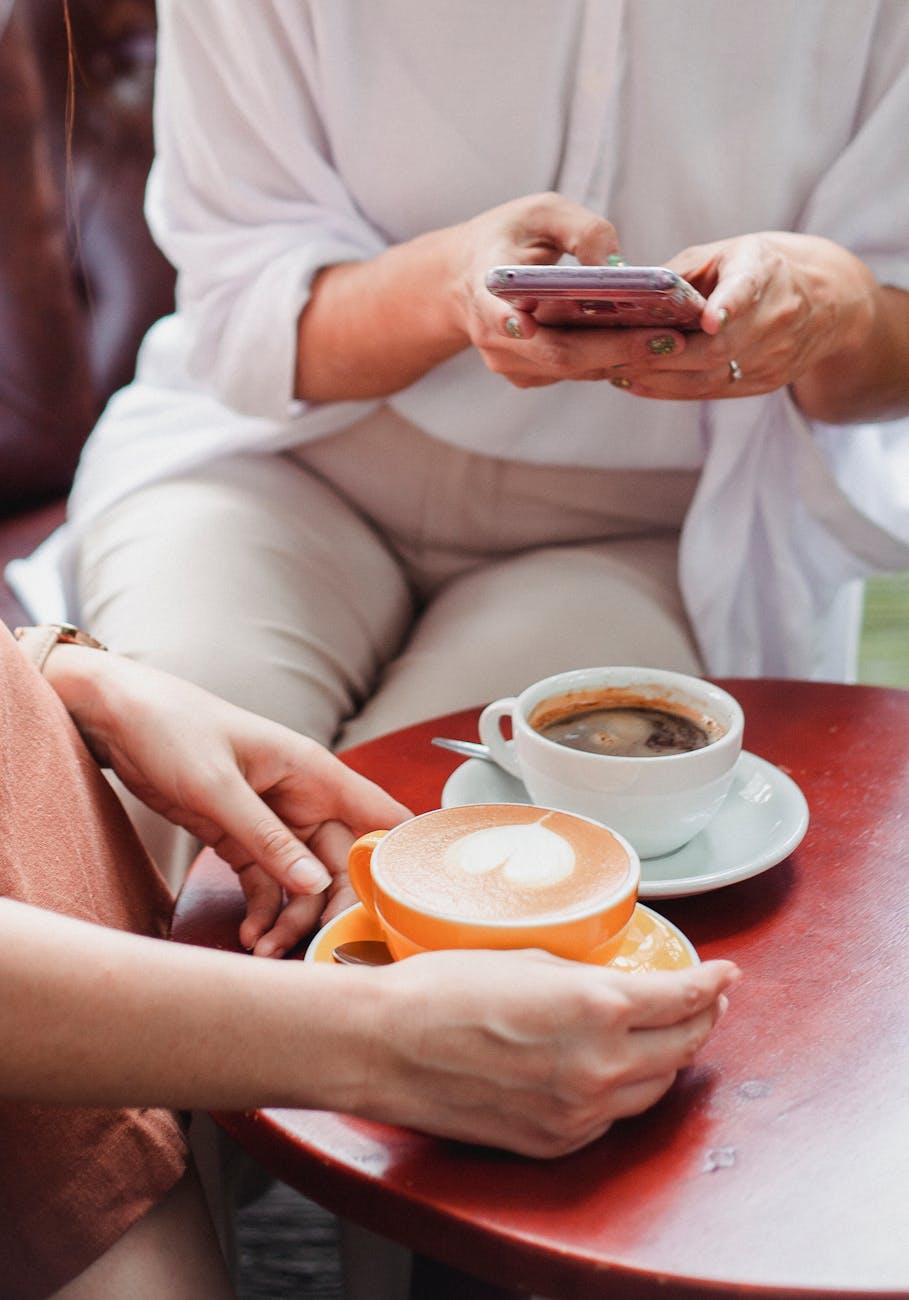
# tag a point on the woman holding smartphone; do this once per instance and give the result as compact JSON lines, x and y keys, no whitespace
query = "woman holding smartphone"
{"x":350,"y":487}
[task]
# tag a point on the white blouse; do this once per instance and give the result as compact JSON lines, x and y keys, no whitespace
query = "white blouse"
{"x":292,"y":134}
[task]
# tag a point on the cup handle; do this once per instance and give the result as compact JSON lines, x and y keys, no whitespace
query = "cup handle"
{"x":359,"y":861}
{"x":502,"y":750}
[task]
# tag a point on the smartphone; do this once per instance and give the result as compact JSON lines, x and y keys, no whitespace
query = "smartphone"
{"x":578,"y":296}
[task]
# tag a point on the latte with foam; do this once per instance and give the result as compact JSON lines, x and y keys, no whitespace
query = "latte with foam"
{"x":502,"y":863}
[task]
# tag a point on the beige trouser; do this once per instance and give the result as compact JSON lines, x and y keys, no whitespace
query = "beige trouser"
{"x":378,"y":577}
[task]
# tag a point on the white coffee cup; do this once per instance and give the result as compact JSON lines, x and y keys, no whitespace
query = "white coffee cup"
{"x":658,"y":802}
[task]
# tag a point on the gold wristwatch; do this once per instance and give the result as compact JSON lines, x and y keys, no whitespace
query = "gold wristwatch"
{"x":39,"y":641}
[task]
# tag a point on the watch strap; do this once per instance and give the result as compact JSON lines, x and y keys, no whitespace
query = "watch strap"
{"x":39,"y":641}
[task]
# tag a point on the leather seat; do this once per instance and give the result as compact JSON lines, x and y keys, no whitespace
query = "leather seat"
{"x":80,"y":279}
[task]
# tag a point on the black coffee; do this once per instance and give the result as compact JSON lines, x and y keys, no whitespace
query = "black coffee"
{"x":632,"y":731}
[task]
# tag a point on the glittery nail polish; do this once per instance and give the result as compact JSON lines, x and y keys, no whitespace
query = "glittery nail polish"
{"x":620,"y":383}
{"x":661,"y":345}
{"x":513,"y":326}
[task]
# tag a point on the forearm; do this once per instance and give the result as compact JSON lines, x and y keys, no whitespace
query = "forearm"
{"x":371,"y":328}
{"x":92,"y":1016}
{"x":867,"y":378}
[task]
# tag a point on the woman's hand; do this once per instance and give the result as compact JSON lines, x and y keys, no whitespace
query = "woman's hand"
{"x":524,"y":1050}
{"x":371,"y":328}
{"x":533,"y":231}
{"x":277,"y":806}
{"x":787,"y":310}
{"x":777,"y":303}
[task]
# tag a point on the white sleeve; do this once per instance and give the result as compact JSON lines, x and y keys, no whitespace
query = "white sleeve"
{"x":242,"y":196}
{"x":862,"y":202}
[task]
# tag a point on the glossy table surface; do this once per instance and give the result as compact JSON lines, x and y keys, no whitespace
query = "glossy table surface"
{"x":779,"y":1163}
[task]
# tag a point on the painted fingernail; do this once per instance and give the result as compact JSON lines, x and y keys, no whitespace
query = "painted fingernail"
{"x":616,"y":259}
{"x":661,"y":344}
{"x":513,"y":326}
{"x":308,"y":875}
{"x":621,"y":382}
{"x":724,"y":317}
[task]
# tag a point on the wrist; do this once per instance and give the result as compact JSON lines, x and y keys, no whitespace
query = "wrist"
{"x":86,"y":684}
{"x":39,"y":640}
{"x":421,"y":284}
{"x":374,"y":327}
{"x":287,"y":1007}
{"x":850,"y":379}
{"x":853,"y":292}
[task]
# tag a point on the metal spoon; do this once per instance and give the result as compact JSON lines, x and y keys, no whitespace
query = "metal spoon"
{"x":471,"y":748}
{"x":363,"y":952}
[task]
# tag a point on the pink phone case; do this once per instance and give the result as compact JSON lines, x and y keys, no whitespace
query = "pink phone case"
{"x":585,"y":296}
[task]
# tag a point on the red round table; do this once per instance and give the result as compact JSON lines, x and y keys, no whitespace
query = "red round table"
{"x":778,"y":1165}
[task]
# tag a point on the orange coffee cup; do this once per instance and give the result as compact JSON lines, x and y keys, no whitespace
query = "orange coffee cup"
{"x":498,"y":876}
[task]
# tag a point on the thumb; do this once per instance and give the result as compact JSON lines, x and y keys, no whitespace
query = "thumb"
{"x":663,"y":998}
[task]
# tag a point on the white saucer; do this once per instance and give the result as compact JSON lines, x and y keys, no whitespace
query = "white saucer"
{"x":764,"y":817}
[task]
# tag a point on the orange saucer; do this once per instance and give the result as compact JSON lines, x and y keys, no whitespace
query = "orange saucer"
{"x":651,"y":942}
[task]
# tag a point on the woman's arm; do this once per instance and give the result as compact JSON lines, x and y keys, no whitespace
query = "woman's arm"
{"x":518,"y":1050}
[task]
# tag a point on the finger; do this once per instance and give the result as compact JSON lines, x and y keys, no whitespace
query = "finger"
{"x":332,"y":841}
{"x":515,"y":323}
{"x":258,"y":832}
{"x":658,"y":1050}
{"x":264,"y":899}
{"x":588,"y":237}
{"x":662,"y":998}
{"x":340,"y":897}
{"x":627,"y":347}
{"x":354,"y":799}
{"x":634,"y":1098}
{"x":576,"y":354}
{"x":298,"y":919}
{"x":698,"y":385}
{"x":739,"y":288}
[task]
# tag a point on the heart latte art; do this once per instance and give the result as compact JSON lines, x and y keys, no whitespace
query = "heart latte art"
{"x":507,"y":863}
{"x":529,"y":856}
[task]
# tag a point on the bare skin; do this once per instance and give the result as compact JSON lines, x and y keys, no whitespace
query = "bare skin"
{"x":793,"y":310}
{"x":171,"y":1251}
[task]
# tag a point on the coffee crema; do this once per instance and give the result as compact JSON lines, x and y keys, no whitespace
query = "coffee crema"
{"x":504,"y":864}
{"x":624,"y":723}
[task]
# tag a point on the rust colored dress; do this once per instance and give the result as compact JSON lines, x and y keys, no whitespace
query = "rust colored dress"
{"x":72,"y":1180}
